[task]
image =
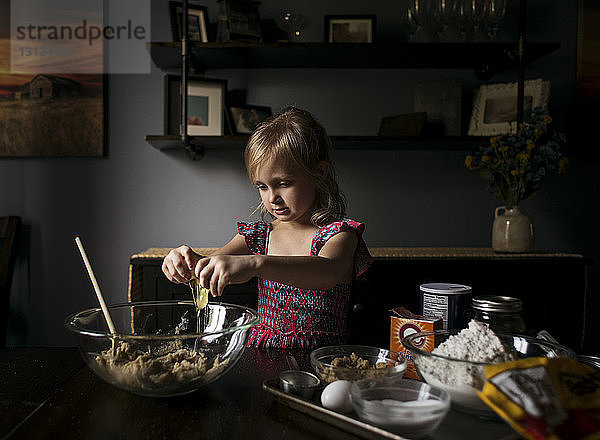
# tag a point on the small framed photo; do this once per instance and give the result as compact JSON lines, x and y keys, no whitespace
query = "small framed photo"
{"x":197,"y":22}
{"x":247,"y":117}
{"x":495,"y":106}
{"x":206,"y":106}
{"x":349,"y":28}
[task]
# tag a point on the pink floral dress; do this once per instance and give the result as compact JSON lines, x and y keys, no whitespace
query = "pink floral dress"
{"x":301,"y":318}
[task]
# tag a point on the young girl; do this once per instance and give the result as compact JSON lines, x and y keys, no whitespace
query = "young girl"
{"x":308,"y":254}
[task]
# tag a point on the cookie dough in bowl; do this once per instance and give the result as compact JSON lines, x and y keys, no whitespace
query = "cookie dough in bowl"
{"x":162,"y":348}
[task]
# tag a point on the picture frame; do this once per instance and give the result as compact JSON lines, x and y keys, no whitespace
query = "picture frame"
{"x":197,"y":22}
{"x":350,"y":28}
{"x":245,"y":118}
{"x":206,"y":106}
{"x":495,"y":106}
{"x":48,"y":115}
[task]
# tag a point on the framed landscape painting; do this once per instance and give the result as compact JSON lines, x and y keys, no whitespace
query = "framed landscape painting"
{"x":45,"y":114}
{"x":51,"y":115}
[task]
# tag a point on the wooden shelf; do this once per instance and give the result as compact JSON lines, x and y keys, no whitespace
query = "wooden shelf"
{"x":205,"y":56}
{"x":450,"y":143}
{"x":483,"y":57}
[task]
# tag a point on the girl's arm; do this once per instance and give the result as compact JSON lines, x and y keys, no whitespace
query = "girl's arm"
{"x":332,"y":266}
{"x":178,"y":265}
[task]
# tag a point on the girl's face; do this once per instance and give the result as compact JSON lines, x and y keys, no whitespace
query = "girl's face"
{"x":287,"y":192}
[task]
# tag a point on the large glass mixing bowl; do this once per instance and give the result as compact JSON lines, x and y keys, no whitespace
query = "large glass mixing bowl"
{"x":162,"y":348}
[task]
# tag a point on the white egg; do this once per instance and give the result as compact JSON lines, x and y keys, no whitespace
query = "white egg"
{"x":336,"y":396}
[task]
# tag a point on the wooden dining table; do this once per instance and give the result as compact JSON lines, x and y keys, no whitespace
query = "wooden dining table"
{"x":50,"y":393}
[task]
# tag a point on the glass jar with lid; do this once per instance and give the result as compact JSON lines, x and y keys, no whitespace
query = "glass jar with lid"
{"x":500,"y":313}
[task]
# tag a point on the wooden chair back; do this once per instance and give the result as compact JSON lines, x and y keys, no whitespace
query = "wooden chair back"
{"x":9,"y":232}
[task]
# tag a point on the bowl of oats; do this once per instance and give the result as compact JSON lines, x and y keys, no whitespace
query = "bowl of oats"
{"x":356,"y":362}
{"x":162,"y":348}
{"x":457,"y":363}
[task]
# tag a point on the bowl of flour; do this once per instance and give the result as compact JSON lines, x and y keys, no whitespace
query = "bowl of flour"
{"x":457,"y":363}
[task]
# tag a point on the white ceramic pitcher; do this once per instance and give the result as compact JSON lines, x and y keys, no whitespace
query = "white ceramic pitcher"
{"x":512,"y":230}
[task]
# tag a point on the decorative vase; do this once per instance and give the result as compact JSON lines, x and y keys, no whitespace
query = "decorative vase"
{"x":512,"y":230}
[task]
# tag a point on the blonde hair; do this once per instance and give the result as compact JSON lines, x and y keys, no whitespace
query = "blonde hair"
{"x":294,"y":136}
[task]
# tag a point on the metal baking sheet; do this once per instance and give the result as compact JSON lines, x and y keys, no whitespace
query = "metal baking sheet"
{"x":455,"y":426}
{"x":315,"y":409}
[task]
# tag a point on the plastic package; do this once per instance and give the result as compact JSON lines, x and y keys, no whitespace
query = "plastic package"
{"x":546,"y":398}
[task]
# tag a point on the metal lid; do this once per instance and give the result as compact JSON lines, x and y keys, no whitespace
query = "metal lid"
{"x":490,"y":303}
{"x":445,"y":288}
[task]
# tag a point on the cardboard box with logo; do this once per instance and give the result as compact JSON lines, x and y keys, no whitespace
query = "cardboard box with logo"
{"x":404,"y":323}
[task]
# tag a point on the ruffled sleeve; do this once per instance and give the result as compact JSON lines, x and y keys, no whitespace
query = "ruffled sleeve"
{"x":362,"y":257}
{"x":255,"y":234}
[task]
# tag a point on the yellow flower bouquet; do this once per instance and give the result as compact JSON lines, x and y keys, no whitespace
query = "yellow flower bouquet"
{"x":516,"y":164}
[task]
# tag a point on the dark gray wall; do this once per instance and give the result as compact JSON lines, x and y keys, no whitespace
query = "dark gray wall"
{"x":138,"y":197}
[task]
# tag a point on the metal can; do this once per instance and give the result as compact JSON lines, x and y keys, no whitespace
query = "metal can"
{"x":445,"y":300}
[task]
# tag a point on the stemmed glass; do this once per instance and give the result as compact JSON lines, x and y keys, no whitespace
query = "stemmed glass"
{"x":440,"y":12}
{"x":413,"y":18}
{"x":468,"y":15}
{"x":494,"y":11}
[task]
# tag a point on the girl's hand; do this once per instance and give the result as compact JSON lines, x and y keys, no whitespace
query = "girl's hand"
{"x":217,"y":272}
{"x":179,"y":264}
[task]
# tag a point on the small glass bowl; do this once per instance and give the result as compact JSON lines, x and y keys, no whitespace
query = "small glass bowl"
{"x":405,"y":407}
{"x":382,"y":363}
{"x":468,"y":377}
{"x":162,"y":348}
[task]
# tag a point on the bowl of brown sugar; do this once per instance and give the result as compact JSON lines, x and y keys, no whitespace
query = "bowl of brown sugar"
{"x":356,"y":362}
